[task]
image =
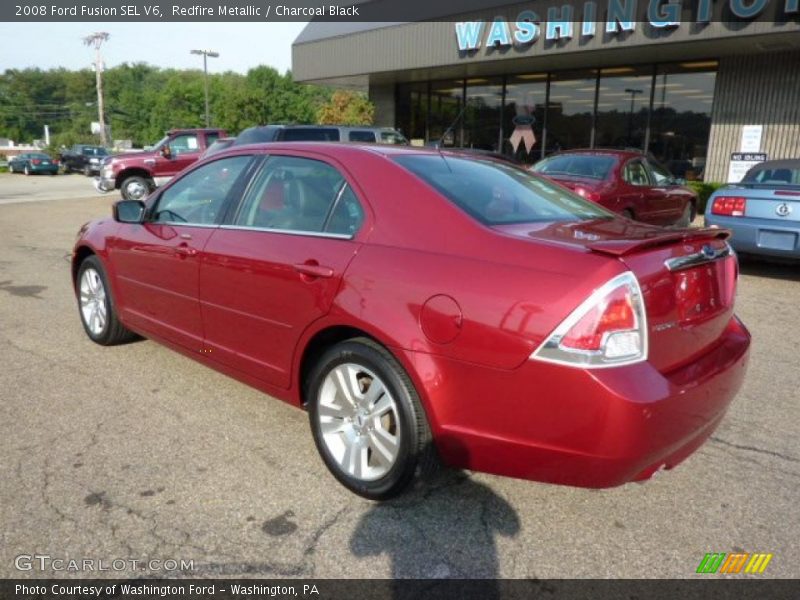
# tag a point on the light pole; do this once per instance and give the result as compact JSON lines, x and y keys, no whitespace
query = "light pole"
{"x":96,"y":39}
{"x":633,"y":93}
{"x":206,"y":54}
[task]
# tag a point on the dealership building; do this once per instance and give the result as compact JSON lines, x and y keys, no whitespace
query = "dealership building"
{"x":700,"y":84}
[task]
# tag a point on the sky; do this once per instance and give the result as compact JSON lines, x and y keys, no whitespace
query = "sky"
{"x":241,"y":45}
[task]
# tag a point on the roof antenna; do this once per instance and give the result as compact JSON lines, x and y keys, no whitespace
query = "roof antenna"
{"x":452,"y":126}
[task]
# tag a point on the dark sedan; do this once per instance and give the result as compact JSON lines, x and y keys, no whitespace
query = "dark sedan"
{"x":32,"y":163}
{"x":625,"y":181}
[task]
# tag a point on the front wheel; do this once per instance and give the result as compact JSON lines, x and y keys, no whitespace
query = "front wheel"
{"x":98,"y":313}
{"x":26,"y":170}
{"x":86,"y":171}
{"x":135,"y":188}
{"x":367,"y":420}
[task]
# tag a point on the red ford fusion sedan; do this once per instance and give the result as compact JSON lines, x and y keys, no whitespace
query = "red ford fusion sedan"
{"x":426,"y":306}
{"x":625,"y":181}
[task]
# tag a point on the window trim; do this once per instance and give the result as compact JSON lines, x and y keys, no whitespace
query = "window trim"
{"x":152,"y":209}
{"x":234,"y":210}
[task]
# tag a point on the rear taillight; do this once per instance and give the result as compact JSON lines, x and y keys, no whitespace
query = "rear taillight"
{"x":55,"y":161}
{"x":36,"y":161}
{"x":589,"y":195}
{"x":729,"y":206}
{"x":608,"y":329}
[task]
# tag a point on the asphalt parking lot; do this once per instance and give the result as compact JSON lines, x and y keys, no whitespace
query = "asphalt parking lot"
{"x":136,"y":452}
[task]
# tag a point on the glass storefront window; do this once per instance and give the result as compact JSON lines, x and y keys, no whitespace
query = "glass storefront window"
{"x":623,"y":102}
{"x":681,"y":119}
{"x":447,"y":98}
{"x":570,"y":110}
{"x":526,"y":96}
{"x":482,"y":116}
{"x":412,"y":111}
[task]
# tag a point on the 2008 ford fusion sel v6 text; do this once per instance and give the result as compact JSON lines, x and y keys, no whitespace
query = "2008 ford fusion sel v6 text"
{"x":426,"y":306}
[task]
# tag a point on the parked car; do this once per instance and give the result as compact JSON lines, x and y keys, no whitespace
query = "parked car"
{"x":218,"y":146}
{"x":763,"y":211}
{"x":422,"y":304}
{"x":625,"y":181}
{"x":320,"y":133}
{"x":136,"y":174}
{"x":32,"y":163}
{"x":83,"y":158}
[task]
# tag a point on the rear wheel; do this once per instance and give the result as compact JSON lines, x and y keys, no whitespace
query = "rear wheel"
{"x":135,"y":188}
{"x":26,"y":170}
{"x":367,"y":420}
{"x":98,"y":313}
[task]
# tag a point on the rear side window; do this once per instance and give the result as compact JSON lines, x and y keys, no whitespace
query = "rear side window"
{"x":361,"y":136}
{"x":577,"y":165}
{"x":635,"y":173}
{"x":781,"y":175}
{"x":498,"y":194}
{"x":310,"y":134}
{"x":302,"y":195}
{"x":393,"y":138}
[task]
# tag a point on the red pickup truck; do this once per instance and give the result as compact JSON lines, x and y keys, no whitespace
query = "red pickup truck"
{"x":136,"y":174}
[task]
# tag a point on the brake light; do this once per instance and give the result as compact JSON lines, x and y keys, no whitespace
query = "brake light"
{"x":608,"y":329}
{"x":36,"y":161}
{"x":589,"y":195}
{"x":55,"y":161}
{"x":729,"y":206}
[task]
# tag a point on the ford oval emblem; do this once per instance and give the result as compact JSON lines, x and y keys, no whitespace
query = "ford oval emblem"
{"x":783,"y":210}
{"x":708,"y":251}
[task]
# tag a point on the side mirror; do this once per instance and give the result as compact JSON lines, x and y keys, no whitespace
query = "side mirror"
{"x":128,"y":211}
{"x":166,"y":152}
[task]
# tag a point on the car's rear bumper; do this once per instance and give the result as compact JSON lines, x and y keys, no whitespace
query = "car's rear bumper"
{"x":767,"y":237}
{"x":588,"y":428}
{"x":39,"y":169}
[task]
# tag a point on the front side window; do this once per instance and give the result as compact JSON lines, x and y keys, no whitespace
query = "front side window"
{"x":361,"y":136}
{"x":299,"y":194}
{"x":199,"y":196}
{"x":183,"y":144}
{"x":635,"y":173}
{"x":660,"y":175}
{"x":497,"y":194}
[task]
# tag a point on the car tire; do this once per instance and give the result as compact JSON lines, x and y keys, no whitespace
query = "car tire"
{"x":26,"y":169}
{"x":96,"y":305}
{"x":135,"y":188}
{"x":87,"y":171}
{"x":375,"y":441}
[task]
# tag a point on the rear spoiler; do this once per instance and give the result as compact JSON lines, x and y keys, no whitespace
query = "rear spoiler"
{"x":623,"y":247}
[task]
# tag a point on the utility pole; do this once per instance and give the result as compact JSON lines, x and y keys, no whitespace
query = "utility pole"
{"x":206,"y":54}
{"x":96,"y":39}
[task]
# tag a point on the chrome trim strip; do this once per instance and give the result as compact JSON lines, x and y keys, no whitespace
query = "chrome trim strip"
{"x":320,"y":234}
{"x":706,"y":255}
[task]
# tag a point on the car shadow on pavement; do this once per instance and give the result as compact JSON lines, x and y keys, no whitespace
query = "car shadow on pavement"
{"x":445,"y":528}
{"x":775,"y":269}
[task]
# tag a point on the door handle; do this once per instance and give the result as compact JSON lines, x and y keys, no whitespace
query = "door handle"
{"x":313,"y":270}
{"x":185,"y":250}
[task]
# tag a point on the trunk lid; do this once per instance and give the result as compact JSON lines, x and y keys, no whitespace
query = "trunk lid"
{"x":767,"y":201}
{"x":687,"y":276}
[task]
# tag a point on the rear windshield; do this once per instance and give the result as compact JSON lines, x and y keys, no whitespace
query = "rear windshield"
{"x":310,"y":135}
{"x":498,"y":194}
{"x":577,"y":165}
{"x":777,"y":175}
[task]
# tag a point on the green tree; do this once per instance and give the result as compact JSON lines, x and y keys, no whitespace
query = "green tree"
{"x":346,"y":108}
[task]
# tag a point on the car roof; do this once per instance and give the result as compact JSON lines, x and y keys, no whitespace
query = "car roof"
{"x":334,"y":148}
{"x":785,"y":163}
{"x":622,"y":153}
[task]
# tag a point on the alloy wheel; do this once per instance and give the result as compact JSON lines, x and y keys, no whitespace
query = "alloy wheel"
{"x":93,"y":301}
{"x":359,"y":422}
